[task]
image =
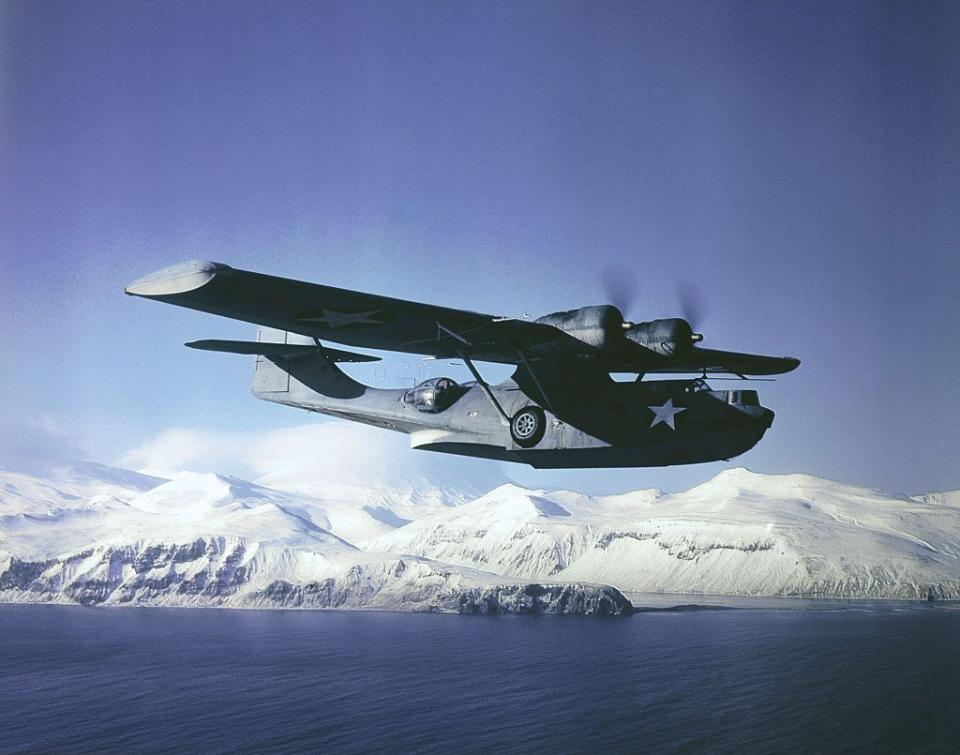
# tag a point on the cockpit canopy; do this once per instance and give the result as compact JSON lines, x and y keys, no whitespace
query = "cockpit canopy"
{"x":434,"y":395}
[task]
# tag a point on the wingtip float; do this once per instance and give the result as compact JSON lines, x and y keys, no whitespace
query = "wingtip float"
{"x":176,"y":279}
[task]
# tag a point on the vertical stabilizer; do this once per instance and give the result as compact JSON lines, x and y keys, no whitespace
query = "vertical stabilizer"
{"x":269,"y":376}
{"x":300,"y":376}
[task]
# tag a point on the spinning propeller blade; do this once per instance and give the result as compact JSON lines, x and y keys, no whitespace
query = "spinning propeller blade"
{"x":620,"y":288}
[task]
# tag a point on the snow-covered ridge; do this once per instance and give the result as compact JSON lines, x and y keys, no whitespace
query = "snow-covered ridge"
{"x":96,"y":535}
{"x":212,"y":540}
{"x":740,"y":533}
{"x":226,"y":572}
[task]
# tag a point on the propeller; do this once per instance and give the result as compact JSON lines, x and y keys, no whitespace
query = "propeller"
{"x":620,"y":288}
{"x":692,"y":305}
{"x":692,"y":302}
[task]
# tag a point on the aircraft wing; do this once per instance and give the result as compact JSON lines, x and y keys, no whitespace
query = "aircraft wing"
{"x":339,"y":315}
{"x":379,"y":322}
{"x":714,"y":361}
{"x":277,"y":350}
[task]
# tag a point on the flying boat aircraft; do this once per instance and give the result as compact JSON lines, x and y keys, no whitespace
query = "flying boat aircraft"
{"x":560,"y":407}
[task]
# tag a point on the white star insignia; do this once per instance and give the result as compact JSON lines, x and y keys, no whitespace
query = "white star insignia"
{"x":334,"y":319}
{"x":666,"y":414}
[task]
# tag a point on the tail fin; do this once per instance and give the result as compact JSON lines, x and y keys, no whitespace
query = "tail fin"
{"x":287,"y":365}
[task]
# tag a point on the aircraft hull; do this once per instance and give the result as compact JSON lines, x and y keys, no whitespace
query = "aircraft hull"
{"x":712,"y":446}
{"x":640,"y":424}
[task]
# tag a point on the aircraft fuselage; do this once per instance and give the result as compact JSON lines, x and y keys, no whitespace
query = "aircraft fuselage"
{"x":597,"y":424}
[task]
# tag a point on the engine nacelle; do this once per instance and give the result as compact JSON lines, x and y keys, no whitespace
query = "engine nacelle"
{"x":666,"y":337}
{"x":600,"y":327}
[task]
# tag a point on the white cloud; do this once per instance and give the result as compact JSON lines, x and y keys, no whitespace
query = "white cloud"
{"x":347,"y":453}
{"x":182,"y":450}
{"x":36,"y":444}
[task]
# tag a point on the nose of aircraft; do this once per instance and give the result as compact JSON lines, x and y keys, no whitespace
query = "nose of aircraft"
{"x":759,"y":414}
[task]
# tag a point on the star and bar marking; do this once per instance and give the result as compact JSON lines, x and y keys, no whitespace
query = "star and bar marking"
{"x":666,"y":414}
{"x":334,"y":318}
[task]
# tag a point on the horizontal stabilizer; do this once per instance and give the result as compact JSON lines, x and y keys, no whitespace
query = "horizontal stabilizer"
{"x":288,"y":350}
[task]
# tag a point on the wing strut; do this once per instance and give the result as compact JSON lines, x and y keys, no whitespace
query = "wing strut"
{"x":485,"y":387}
{"x":536,"y":381}
{"x":452,"y":334}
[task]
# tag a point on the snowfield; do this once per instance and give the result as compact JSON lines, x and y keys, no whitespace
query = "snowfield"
{"x":96,"y":535}
{"x":741,"y":533}
{"x":99,"y":536}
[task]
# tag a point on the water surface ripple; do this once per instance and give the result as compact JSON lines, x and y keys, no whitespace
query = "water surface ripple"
{"x":861,"y":679}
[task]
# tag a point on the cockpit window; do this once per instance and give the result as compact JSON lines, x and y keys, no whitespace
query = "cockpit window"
{"x":743,"y":398}
{"x":434,"y":395}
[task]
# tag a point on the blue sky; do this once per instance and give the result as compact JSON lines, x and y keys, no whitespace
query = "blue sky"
{"x":800,"y":162}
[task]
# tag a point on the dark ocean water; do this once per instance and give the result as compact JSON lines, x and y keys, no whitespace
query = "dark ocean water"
{"x":824,"y":679}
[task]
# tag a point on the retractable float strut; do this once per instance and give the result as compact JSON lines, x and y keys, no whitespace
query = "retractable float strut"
{"x":536,"y":381}
{"x":484,"y":386}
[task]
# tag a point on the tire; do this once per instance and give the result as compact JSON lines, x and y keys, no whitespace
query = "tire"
{"x":528,"y":426}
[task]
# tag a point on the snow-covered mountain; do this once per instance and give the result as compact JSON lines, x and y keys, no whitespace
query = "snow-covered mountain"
{"x":69,"y":515}
{"x":944,"y":498}
{"x":67,"y":487}
{"x":400,"y":485}
{"x":231,"y":572}
{"x":205,"y":539}
{"x":739,"y":534}
{"x":93,"y":534}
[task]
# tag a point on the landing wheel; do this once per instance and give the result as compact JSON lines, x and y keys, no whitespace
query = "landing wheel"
{"x":528,"y":426}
